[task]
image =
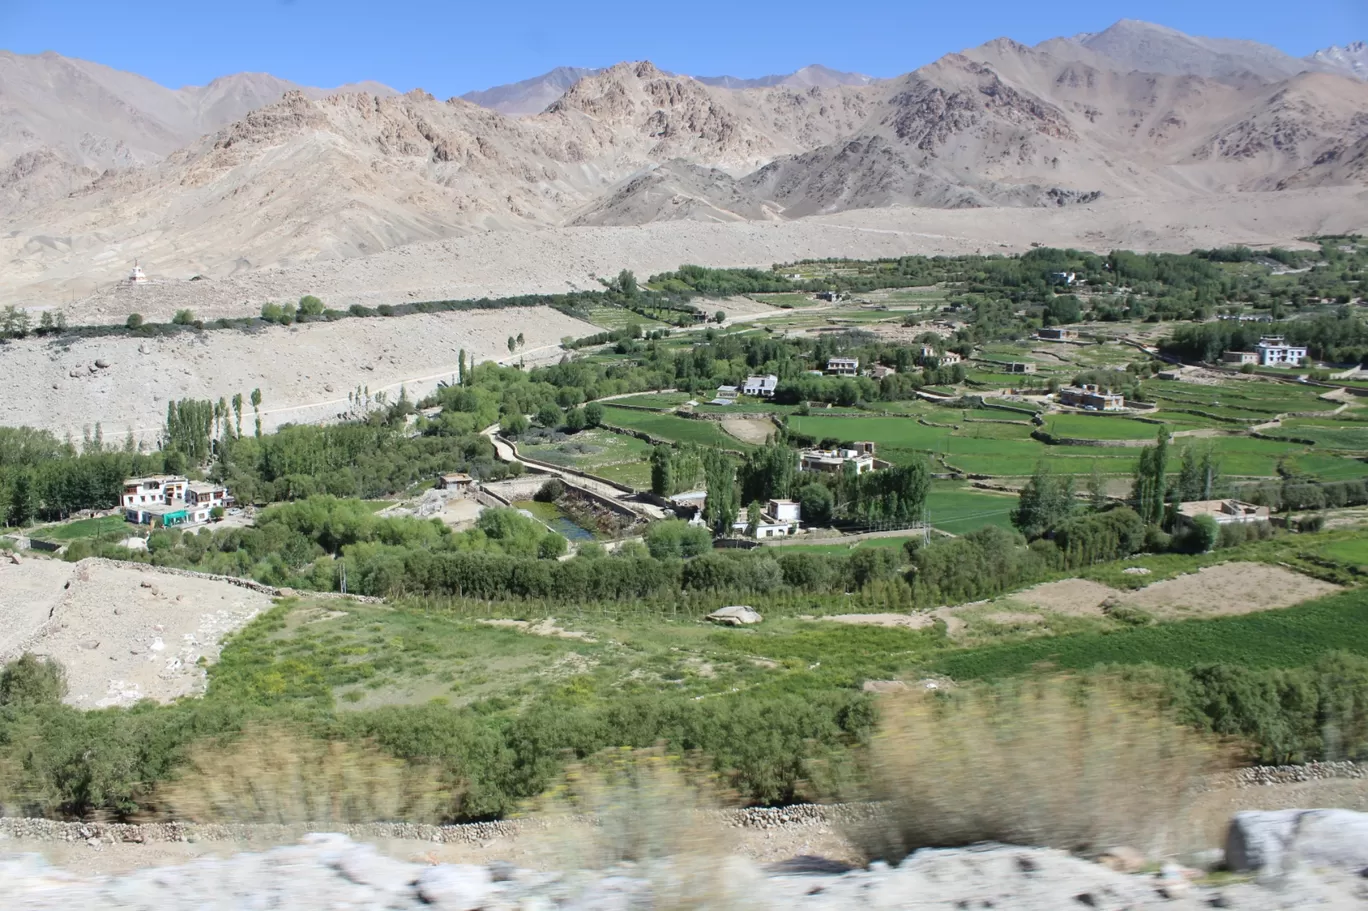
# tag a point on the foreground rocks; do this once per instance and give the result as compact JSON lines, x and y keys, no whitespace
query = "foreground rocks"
{"x":331,"y":871}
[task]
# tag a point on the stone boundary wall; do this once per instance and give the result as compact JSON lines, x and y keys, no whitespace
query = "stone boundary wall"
{"x":249,"y":584}
{"x":799,"y":815}
{"x":789,"y":817}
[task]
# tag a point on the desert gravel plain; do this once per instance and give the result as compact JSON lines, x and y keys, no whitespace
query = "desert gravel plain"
{"x":122,"y":633}
{"x":304,"y":371}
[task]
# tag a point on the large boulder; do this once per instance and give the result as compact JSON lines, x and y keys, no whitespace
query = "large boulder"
{"x":736,"y":615}
{"x":1274,"y":841}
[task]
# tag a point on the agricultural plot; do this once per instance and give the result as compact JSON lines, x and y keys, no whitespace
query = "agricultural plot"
{"x":1289,"y":637}
{"x":1349,"y":435}
{"x":620,"y":318}
{"x":1098,"y":427}
{"x":660,"y":401}
{"x":958,"y":510}
{"x":672,"y":427}
{"x":83,"y":528}
{"x":615,"y":456}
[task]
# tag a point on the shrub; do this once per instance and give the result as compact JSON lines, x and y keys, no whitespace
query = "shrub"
{"x":651,"y":810}
{"x":273,"y":774}
{"x":1311,"y":524}
{"x":29,"y":680}
{"x":1047,"y":761}
{"x":550,"y":491}
{"x":183,"y":317}
{"x":385,"y":310}
{"x":134,"y":321}
{"x":552,"y":546}
{"x":310,"y":306}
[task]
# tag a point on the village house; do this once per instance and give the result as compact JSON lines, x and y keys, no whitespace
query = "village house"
{"x":1225,"y":512}
{"x":779,"y":519}
{"x":726,"y":395}
{"x":166,"y":501}
{"x":762,"y":386}
{"x":1091,"y":398}
{"x":160,"y":488}
{"x":201,"y":493}
{"x":861,"y":455}
{"x":1274,"y":351}
{"x":1063,"y":278}
{"x":457,"y":482}
{"x":942,"y":358}
{"x":1057,"y":335}
{"x":1020,"y":367}
{"x":1240,"y":358}
{"x":843,"y":366}
{"x":879,"y":371}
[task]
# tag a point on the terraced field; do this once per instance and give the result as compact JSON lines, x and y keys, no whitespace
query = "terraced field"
{"x":615,"y":456}
{"x":672,"y":427}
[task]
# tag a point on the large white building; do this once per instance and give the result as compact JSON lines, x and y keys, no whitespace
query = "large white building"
{"x":843,"y":366}
{"x":169,"y":500}
{"x":762,"y":386}
{"x":834,"y":460}
{"x":1274,"y":351}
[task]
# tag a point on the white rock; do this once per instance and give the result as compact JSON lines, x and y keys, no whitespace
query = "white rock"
{"x":454,"y":887}
{"x":1273,"y":841}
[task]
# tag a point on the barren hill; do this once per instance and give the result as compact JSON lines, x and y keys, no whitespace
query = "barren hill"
{"x":310,"y":177}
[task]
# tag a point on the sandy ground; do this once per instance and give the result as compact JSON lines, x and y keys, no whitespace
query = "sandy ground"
{"x":122,"y":634}
{"x":304,"y":372}
{"x":1224,"y":590}
{"x":749,"y":430}
{"x":1227,"y":589}
{"x":499,"y":263}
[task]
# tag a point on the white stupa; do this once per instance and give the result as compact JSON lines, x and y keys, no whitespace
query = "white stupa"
{"x":137,"y":276}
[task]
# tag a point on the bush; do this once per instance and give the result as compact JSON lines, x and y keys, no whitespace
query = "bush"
{"x":550,"y":491}
{"x":310,"y":306}
{"x":676,"y":539}
{"x":183,"y":317}
{"x":1053,"y":762}
{"x":29,"y":680}
{"x":278,"y":775}
{"x":1311,"y":524}
{"x":552,"y":547}
{"x":134,"y":321}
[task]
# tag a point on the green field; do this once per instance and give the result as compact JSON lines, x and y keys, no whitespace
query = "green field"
{"x":1353,"y":552}
{"x":615,"y":456}
{"x":620,"y":318}
{"x":958,"y":510}
{"x":1277,"y":638}
{"x":1343,"y":434}
{"x":82,"y":528}
{"x":1098,"y":427}
{"x":673,"y":428}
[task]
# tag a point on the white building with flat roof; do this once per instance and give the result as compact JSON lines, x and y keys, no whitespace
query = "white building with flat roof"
{"x":762,"y":386}
{"x":1274,"y":351}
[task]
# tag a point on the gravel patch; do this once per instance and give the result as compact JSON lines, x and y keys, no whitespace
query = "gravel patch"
{"x":124,"y":634}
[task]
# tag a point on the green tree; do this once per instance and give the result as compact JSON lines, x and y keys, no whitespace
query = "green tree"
{"x":768,"y":472}
{"x":1045,"y":501}
{"x":23,"y":500}
{"x":29,"y":681}
{"x":256,"y":410}
{"x":237,"y":411}
{"x":310,"y":306}
{"x":548,"y":416}
{"x":626,"y":283}
{"x":552,"y":547}
{"x":134,"y":321}
{"x":662,"y":471}
{"x":1097,"y":490}
{"x":721,"y":506}
{"x":1150,"y":490}
{"x":753,"y":518}
{"x":720,"y":317}
{"x":513,"y":425}
{"x":593,"y":414}
{"x":816,"y":503}
{"x":512,"y":344}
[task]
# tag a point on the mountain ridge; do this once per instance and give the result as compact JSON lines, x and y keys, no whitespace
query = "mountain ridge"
{"x":314,"y":175}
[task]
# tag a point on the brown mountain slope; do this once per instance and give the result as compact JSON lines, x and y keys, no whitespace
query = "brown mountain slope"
{"x":310,"y":178}
{"x":63,"y":120}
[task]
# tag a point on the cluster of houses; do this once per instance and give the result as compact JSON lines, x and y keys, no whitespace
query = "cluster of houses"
{"x":169,"y":501}
{"x":1091,"y":398}
{"x":780,"y":518}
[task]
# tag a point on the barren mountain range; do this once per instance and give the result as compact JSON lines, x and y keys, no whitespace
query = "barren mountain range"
{"x":99,"y":167}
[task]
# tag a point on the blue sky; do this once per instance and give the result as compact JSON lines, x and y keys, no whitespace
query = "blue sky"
{"x":454,"y":46}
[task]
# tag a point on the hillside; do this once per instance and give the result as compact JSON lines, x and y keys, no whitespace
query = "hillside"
{"x":287,"y":176}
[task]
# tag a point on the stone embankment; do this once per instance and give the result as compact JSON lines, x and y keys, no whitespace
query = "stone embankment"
{"x":327,"y":871}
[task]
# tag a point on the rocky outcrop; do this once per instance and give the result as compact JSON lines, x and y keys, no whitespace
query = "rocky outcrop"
{"x":331,"y":871}
{"x":1278,"y":841}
